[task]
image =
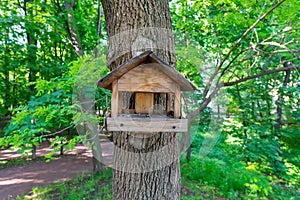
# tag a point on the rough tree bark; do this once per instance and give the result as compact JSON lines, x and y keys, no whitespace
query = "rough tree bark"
{"x":146,"y":165}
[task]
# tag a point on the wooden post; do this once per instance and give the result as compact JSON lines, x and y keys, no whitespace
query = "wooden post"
{"x":177,"y":102}
{"x":114,"y":99}
{"x":144,"y":102}
{"x":169,"y":99}
{"x":120,"y":102}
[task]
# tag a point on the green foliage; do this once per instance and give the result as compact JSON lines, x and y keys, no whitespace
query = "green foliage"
{"x":33,"y":48}
{"x":228,"y":178}
{"x":35,"y":45}
{"x":54,"y":109}
{"x":48,"y":111}
{"x":212,"y":178}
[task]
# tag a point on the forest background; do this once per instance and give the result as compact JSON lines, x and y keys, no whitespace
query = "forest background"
{"x":44,"y":46}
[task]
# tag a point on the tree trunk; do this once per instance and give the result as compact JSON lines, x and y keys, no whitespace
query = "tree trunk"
{"x":136,"y":26}
{"x":92,"y":137}
{"x":33,"y":152}
{"x":146,"y":166}
{"x":88,"y":129}
{"x":7,"y":81}
{"x":31,"y":47}
{"x":31,"y":56}
{"x":278,"y":163}
{"x":72,"y":28}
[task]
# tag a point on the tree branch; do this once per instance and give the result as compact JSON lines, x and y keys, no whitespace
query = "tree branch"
{"x":236,"y":45}
{"x":258,"y":75}
{"x":229,"y":64}
{"x":195,"y":113}
{"x":206,"y":101}
{"x":58,"y":132}
{"x":19,"y":3}
{"x":283,"y":46}
{"x":255,"y":47}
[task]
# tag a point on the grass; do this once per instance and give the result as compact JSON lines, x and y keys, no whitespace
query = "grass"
{"x":15,"y":162}
{"x":87,"y":186}
{"x":25,"y":160}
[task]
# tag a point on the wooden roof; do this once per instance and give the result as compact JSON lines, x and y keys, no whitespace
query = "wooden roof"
{"x":146,"y":57}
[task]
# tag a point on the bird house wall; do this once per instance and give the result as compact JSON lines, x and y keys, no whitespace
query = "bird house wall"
{"x":146,"y":78}
{"x":149,"y":90}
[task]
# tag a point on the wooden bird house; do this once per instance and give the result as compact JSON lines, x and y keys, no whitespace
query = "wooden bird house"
{"x":146,"y":96}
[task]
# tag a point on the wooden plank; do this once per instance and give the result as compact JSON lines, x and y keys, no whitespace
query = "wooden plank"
{"x":120,"y":101}
{"x":147,"y":125}
{"x":144,"y":102}
{"x":177,"y":102}
{"x":141,"y":87}
{"x":169,"y":99}
{"x":114,"y":99}
{"x":128,"y":111}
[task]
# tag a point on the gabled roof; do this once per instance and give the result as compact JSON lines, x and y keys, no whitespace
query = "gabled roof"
{"x":146,"y":57}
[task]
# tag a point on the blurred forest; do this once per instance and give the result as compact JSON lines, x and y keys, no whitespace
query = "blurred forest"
{"x":243,"y":56}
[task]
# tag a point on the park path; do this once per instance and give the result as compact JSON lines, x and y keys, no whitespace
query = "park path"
{"x":20,"y":180}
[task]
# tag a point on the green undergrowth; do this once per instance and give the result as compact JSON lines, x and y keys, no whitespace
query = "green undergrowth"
{"x":86,"y":186}
{"x":211,"y":178}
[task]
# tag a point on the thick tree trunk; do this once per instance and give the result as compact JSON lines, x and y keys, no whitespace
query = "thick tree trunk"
{"x":146,"y":166}
{"x":138,"y":25}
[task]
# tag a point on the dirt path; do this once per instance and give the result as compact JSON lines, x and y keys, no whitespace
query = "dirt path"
{"x":20,"y":180}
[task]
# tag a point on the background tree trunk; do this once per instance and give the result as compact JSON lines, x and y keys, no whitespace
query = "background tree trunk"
{"x":32,"y":51}
{"x":146,"y":165}
{"x":72,"y":28}
{"x":278,"y":162}
{"x":76,"y":42}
